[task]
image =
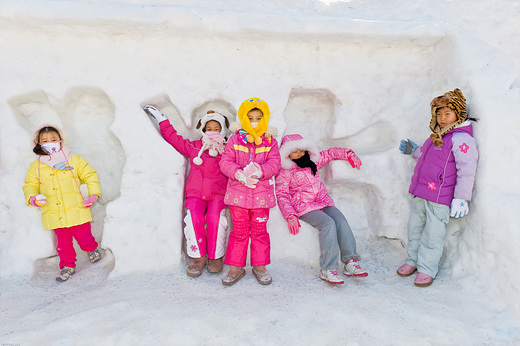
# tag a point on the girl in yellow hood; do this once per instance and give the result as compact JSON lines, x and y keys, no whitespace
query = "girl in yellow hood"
{"x":250,"y":161}
{"x":52,"y":184}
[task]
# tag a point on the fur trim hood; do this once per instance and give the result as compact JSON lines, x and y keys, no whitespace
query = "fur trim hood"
{"x":456,"y":102}
{"x":294,"y":141}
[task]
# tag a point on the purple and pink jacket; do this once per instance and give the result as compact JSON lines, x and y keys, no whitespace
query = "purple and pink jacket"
{"x":237,"y":155}
{"x":299,"y":191}
{"x":446,"y":172}
{"x":205,"y":181}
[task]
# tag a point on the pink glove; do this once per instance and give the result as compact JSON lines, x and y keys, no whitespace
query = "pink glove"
{"x":87,"y":202}
{"x":38,"y":200}
{"x":245,"y":180}
{"x":253,"y":170}
{"x":294,"y":224}
{"x":354,"y":161}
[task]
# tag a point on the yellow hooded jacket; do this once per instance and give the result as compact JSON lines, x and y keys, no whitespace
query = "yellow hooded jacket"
{"x":64,"y":207}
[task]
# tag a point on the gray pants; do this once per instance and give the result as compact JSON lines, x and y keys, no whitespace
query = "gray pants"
{"x":426,"y":232}
{"x":335,"y":236}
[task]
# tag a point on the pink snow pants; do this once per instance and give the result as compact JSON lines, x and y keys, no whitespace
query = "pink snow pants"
{"x":246,"y":223}
{"x":206,"y":212}
{"x":65,"y":247}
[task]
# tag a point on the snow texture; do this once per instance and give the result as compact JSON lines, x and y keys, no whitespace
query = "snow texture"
{"x":357,"y":74}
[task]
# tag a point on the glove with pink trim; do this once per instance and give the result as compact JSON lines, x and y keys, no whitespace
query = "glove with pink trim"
{"x":293,"y":224}
{"x":253,"y":170}
{"x":354,"y":161}
{"x":38,"y":200}
{"x":87,"y":202}
{"x":245,"y":180}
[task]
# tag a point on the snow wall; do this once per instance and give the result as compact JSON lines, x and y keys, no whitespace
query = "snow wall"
{"x":361,"y":84}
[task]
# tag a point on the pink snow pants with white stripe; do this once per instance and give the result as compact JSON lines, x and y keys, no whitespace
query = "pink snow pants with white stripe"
{"x":83,"y":235}
{"x":248,"y":223}
{"x":209,"y":240}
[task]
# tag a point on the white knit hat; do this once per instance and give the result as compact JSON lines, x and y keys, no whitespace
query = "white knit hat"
{"x":206,"y":144}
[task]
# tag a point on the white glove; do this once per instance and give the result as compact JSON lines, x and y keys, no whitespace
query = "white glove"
{"x":253,"y":170}
{"x":154,"y":113}
{"x":459,"y":208}
{"x":245,"y":180}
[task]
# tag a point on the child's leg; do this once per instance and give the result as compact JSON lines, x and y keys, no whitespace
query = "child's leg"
{"x":65,"y":248}
{"x":84,"y":237}
{"x":328,"y":238}
{"x":416,"y":225}
{"x":346,"y":240}
{"x":216,"y":228}
{"x":432,"y":239}
{"x":194,"y":230}
{"x":260,"y":242}
{"x":236,"y":252}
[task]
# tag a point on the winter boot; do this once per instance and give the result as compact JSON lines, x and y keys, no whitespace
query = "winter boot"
{"x":423,"y":280}
{"x":262,"y":275}
{"x":406,"y":270}
{"x":215,"y":265}
{"x":65,"y":274}
{"x":196,"y":266}
{"x":234,"y":274}
{"x":94,"y":256}
{"x":352,"y":268}
{"x":331,"y":276}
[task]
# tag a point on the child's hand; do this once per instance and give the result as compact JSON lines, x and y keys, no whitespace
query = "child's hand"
{"x":154,"y":113}
{"x":87,"y":202}
{"x":459,"y":208}
{"x":354,"y":161}
{"x":253,"y":170}
{"x":294,"y":224}
{"x":38,"y":200}
{"x":407,"y":147}
{"x":245,"y":180}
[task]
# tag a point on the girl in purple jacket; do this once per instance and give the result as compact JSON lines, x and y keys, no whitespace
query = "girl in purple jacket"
{"x":302,"y":195}
{"x":205,"y":188}
{"x":250,"y":161}
{"x":442,"y":184}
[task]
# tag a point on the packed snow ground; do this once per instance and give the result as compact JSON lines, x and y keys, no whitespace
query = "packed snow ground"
{"x":358,"y":74}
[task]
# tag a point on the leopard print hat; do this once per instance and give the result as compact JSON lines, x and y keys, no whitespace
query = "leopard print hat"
{"x":454,"y":100}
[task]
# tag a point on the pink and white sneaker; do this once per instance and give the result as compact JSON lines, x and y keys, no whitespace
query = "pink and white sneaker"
{"x":352,"y":268}
{"x":331,"y":276}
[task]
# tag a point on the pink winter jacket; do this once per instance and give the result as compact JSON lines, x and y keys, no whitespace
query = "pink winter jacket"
{"x":205,"y":181}
{"x":236,"y":156}
{"x":298,"y":191}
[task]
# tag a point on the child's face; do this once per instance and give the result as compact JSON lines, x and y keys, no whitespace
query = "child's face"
{"x":445,"y":116}
{"x":295,"y":155}
{"x":213,"y":125}
{"x":49,"y":137}
{"x":255,"y":115}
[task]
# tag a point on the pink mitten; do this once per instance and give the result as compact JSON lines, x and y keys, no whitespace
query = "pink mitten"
{"x":354,"y":161}
{"x":38,"y":200}
{"x":87,"y":202}
{"x":253,"y":170}
{"x":245,"y":180}
{"x":294,"y":224}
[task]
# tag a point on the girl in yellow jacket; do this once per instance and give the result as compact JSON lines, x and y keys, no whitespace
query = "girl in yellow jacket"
{"x":52,"y":184}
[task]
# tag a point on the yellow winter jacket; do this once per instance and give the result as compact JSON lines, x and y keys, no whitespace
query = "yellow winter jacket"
{"x":64,"y":207}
